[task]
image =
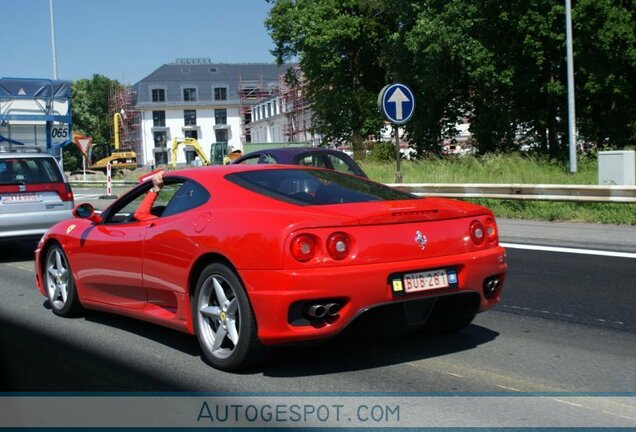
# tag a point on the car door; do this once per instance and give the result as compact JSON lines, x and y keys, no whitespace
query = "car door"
{"x":171,"y":247}
{"x":108,"y":261}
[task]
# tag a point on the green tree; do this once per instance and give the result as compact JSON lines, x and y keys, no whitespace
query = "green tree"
{"x":605,"y":60}
{"x":91,"y":116}
{"x":339,"y":46}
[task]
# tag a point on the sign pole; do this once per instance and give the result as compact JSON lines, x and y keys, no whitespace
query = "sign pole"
{"x":108,"y":181}
{"x":398,"y":173}
{"x":84,"y":165}
{"x":397,"y":103}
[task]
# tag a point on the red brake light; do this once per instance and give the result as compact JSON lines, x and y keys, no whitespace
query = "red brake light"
{"x":69,"y":193}
{"x":477,"y":233}
{"x":338,"y":245}
{"x":303,"y":248}
{"x":491,"y":229}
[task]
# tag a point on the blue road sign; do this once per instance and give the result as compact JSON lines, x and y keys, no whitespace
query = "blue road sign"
{"x":397,"y":103}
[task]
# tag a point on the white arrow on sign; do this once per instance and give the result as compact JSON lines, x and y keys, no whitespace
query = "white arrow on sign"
{"x":398,"y":97}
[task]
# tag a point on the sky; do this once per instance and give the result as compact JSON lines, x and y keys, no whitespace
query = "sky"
{"x":127,"y":40}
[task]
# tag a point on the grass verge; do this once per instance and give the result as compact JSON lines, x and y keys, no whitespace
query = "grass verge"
{"x":513,"y":168}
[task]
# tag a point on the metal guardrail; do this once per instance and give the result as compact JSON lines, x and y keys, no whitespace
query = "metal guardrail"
{"x":541,"y":192}
{"x":101,"y":183}
{"x":546,"y":192}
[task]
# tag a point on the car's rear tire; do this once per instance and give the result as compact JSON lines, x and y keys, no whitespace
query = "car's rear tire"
{"x":223,"y":320}
{"x":59,"y":283}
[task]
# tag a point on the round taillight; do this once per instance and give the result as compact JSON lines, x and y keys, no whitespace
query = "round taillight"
{"x":477,"y":233}
{"x":491,"y":229}
{"x":303,"y":248}
{"x":338,"y":245}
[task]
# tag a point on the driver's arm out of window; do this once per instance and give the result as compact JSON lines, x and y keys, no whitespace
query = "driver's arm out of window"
{"x":143,"y":211}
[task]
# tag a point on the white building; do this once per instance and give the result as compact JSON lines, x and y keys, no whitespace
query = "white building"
{"x":196,"y":98}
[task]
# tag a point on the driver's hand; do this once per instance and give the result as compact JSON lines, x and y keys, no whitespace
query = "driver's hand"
{"x":157,"y":180}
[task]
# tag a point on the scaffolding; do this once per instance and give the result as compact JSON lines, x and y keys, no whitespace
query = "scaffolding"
{"x":251,"y":92}
{"x":121,"y":100}
{"x":298,"y":126}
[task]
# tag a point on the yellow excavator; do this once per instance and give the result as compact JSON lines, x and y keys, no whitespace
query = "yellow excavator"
{"x":99,"y":155}
{"x":192,"y":142}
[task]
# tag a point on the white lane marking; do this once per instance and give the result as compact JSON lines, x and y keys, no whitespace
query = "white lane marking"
{"x":558,"y":314}
{"x":87,"y":196}
{"x":569,"y":403}
{"x":454,"y":374}
{"x":508,"y":388}
{"x":569,"y":250}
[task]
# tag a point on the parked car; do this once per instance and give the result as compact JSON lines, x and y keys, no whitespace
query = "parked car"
{"x":34,"y":195}
{"x":250,"y":256}
{"x":305,"y":156}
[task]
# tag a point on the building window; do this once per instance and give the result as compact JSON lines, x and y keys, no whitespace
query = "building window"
{"x":189,"y":95}
{"x":220,"y":116}
{"x":269,"y":109}
{"x":161,"y":139}
{"x":190,"y":117}
{"x":158,"y":95}
{"x":220,"y":135}
{"x":158,"y":118}
{"x":191,"y":134}
{"x":220,"y":93}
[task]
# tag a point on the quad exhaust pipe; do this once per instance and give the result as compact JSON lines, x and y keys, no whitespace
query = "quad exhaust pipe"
{"x":322,"y":310}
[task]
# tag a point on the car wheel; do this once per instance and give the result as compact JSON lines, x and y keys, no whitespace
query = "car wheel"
{"x":59,"y":283}
{"x":223,"y":319}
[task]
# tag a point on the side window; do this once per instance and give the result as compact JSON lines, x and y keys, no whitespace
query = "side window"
{"x":340,"y":164}
{"x":189,"y":196}
{"x":268,"y":159}
{"x":252,"y":160}
{"x":125,"y":211}
{"x":313,"y":160}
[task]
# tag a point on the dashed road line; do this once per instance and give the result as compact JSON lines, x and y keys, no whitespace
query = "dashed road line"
{"x":569,"y":317}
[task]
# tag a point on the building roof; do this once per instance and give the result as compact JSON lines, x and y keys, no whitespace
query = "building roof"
{"x":173,"y":77}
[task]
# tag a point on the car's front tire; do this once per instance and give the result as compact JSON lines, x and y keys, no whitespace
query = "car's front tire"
{"x":223,"y":319}
{"x":59,"y":283}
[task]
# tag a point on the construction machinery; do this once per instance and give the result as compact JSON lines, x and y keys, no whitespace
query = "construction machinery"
{"x":192,"y":142}
{"x":99,"y":155}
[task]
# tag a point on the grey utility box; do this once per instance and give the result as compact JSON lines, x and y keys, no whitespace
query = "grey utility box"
{"x":616,"y":168}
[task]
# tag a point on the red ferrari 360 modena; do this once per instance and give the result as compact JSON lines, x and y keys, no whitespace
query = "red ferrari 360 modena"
{"x":251,"y":256}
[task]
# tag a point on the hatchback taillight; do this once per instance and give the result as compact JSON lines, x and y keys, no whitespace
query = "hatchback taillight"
{"x":68,"y":193}
{"x":64,"y":191}
{"x":303,"y":247}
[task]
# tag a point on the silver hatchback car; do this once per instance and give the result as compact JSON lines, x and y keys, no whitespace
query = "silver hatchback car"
{"x":34,"y":195}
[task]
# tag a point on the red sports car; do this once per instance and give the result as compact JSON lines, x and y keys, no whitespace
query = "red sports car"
{"x":251,"y":256}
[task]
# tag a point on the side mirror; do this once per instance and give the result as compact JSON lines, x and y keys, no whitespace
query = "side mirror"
{"x":86,"y":211}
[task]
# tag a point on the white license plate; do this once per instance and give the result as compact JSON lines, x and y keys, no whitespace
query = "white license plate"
{"x":426,"y":280}
{"x":20,"y":198}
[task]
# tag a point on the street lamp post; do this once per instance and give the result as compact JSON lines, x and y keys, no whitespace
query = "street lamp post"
{"x":53,"y":39}
{"x":570,"y":63}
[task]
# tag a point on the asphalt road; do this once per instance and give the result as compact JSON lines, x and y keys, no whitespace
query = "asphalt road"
{"x":566,"y":325}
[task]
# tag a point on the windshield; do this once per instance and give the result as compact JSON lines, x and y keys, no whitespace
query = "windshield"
{"x":315,"y":187}
{"x":29,"y":171}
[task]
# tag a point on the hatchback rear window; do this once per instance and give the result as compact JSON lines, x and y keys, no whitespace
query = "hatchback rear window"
{"x":29,"y":171}
{"x":315,"y":187}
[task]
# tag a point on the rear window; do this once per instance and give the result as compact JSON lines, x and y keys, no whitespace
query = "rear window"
{"x":29,"y":171}
{"x":315,"y":187}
